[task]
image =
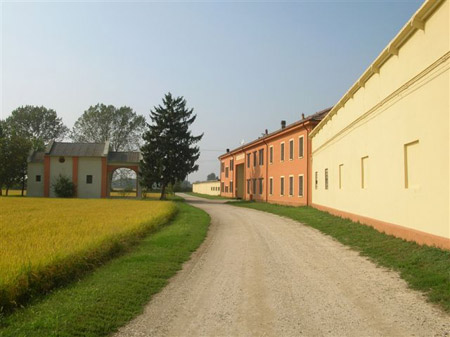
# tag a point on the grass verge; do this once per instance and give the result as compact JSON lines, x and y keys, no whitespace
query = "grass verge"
{"x":115,"y":293}
{"x":207,"y":196}
{"x":424,"y":268}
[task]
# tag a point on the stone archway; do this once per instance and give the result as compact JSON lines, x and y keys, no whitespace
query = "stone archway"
{"x":110,"y":171}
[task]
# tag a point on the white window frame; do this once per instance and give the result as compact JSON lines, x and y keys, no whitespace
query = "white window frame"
{"x":270,"y":185}
{"x":303,"y":186}
{"x":261,"y":185}
{"x":283,"y":152}
{"x":301,"y":156}
{"x":271,"y":157}
{"x":293,"y":186}
{"x":282,"y":185}
{"x":291,"y":141}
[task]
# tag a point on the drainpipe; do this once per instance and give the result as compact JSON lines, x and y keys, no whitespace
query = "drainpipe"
{"x":308,"y":168}
{"x":267,"y":169}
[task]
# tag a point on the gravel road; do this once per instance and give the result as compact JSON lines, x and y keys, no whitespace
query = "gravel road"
{"x":259,"y":274}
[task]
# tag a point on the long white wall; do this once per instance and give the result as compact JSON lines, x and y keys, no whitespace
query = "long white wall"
{"x":399,"y":123}
{"x":210,"y":188}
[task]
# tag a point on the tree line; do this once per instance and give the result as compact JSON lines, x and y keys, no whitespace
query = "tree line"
{"x":166,"y":143}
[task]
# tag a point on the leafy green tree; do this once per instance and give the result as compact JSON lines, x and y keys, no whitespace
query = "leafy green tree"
{"x":14,"y":150}
{"x":169,"y":151}
{"x":121,"y":126}
{"x":38,"y":124}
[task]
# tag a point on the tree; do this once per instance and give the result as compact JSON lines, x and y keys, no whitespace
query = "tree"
{"x":211,"y":176}
{"x":122,"y":127}
{"x":169,"y":152}
{"x":38,"y":124}
{"x":14,"y":151}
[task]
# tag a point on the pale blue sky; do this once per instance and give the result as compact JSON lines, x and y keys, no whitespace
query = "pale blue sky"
{"x":243,"y":66}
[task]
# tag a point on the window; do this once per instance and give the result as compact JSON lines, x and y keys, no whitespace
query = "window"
{"x":231,"y":187}
{"x":291,"y":149}
{"x":412,"y":164}
{"x":38,"y":178}
{"x":341,"y":171}
{"x":254,"y":158}
{"x":282,"y":186}
{"x":261,"y":157}
{"x":282,"y":151}
{"x":226,"y":172}
{"x":226,"y":189}
{"x":248,"y":160}
{"x":89,"y":179}
{"x":326,"y":178}
{"x":300,"y":185}
{"x":62,"y":159}
{"x":316,"y":180}
{"x":364,"y":172}
{"x":270,"y":185}
{"x":300,"y":147}
{"x":291,"y":186}
{"x":260,"y":183}
{"x":222,"y":166}
{"x":271,"y":154}
{"x":254,"y":186}
{"x":248,"y":186}
{"x":231,"y":164}
{"x":222,"y":187}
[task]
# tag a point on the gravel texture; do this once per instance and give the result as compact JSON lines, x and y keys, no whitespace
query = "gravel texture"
{"x":259,"y":274}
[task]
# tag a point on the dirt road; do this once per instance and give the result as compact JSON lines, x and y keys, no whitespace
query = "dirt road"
{"x":258,"y":274}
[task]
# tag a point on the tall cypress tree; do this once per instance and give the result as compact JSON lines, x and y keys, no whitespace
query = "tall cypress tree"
{"x":169,"y":151}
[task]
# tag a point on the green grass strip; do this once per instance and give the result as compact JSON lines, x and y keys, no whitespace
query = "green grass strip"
{"x":114,"y":294}
{"x":207,"y":196}
{"x":424,"y":268}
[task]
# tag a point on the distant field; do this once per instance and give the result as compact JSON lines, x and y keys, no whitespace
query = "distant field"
{"x":14,"y":192}
{"x":46,"y":242}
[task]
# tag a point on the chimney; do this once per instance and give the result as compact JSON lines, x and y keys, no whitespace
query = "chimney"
{"x":303,"y":116}
{"x":267,"y":132}
{"x":283,"y":124}
{"x":228,"y":150}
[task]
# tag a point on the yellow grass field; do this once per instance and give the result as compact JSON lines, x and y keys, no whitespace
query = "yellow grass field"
{"x":44,"y":241}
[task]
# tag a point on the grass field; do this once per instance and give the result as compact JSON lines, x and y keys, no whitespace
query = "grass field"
{"x":424,"y":268}
{"x":113,"y":294}
{"x":48,"y":242}
{"x":14,"y":193}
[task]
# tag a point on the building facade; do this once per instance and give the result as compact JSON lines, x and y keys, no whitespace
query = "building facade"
{"x":90,"y":166}
{"x":211,"y":187}
{"x":381,"y":156}
{"x":274,"y":168}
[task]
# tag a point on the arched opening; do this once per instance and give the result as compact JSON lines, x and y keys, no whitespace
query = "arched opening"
{"x":123,"y":183}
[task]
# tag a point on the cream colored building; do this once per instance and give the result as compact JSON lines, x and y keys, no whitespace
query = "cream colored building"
{"x":381,"y":156}
{"x":207,"y":187}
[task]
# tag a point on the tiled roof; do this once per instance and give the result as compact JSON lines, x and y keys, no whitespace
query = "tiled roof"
{"x":124,"y":157}
{"x":314,"y":117}
{"x":77,"y":149}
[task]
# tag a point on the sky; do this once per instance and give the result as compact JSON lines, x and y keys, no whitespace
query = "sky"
{"x":242,"y":66}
